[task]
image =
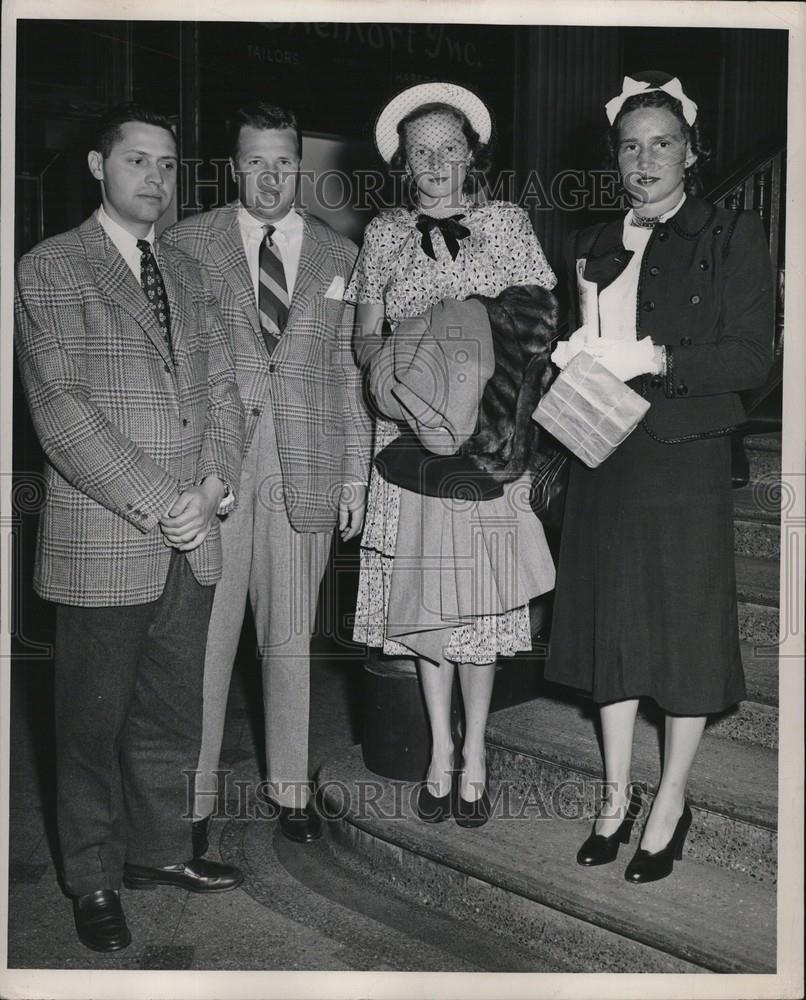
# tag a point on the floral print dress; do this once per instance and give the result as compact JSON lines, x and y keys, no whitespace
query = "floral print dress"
{"x":394,"y":270}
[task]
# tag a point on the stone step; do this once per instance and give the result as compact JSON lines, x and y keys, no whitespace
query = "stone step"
{"x":758,"y":623}
{"x":764,"y":457}
{"x":758,"y":502}
{"x":554,"y":940}
{"x":760,"y":673}
{"x":549,"y":747}
{"x":518,"y":874}
{"x":756,"y":538}
{"x":757,"y":590}
{"x":754,"y":720}
{"x":757,"y":580}
{"x":756,"y":520}
{"x":332,"y":905}
{"x":749,"y":722}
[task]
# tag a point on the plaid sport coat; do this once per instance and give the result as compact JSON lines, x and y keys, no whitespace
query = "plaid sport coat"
{"x":123,"y":429}
{"x":311,"y":382}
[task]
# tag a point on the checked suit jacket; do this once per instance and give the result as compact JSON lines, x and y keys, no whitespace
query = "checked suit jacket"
{"x":124,"y":429}
{"x":311,"y":382}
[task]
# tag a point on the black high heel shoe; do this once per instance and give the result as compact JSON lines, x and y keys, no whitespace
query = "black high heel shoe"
{"x":649,"y":866}
{"x":601,"y":850}
{"x":473,"y":813}
{"x":434,"y":808}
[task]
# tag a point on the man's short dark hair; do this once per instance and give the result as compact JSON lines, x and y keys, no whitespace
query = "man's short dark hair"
{"x":259,"y":114}
{"x":107,"y":130}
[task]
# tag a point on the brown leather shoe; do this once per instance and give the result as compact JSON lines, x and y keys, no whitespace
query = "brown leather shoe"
{"x":197,"y":875}
{"x":100,"y":922}
{"x":300,"y":825}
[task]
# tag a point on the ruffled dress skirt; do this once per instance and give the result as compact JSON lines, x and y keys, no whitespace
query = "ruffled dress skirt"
{"x":448,"y":578}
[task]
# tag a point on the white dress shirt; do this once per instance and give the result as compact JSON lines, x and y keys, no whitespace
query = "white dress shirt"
{"x":617,"y":301}
{"x":124,"y":241}
{"x":287,"y":236}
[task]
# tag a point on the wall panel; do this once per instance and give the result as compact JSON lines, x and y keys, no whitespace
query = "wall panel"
{"x":566,"y":75}
{"x":755,"y":87}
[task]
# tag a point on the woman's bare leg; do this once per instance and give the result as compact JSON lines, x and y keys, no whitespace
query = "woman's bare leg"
{"x":618,"y":726}
{"x":477,"y":690}
{"x":437,"y":683}
{"x":682,"y":740}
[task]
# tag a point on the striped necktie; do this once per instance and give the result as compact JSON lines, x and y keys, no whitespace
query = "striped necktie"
{"x":272,"y":291}
{"x":154,"y":287}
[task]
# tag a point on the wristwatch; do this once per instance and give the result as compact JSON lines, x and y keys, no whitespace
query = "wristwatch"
{"x":227,"y":503}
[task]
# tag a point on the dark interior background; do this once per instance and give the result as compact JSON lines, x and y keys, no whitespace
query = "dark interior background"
{"x":546,"y":87}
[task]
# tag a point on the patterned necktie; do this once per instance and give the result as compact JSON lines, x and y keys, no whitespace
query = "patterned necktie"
{"x":272,"y":291}
{"x":154,"y":287}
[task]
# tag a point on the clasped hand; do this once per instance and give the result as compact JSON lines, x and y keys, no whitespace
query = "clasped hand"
{"x":352,"y":504}
{"x":190,"y":517}
{"x":626,"y":359}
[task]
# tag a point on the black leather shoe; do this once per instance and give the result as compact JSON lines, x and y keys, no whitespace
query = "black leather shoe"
{"x":300,"y":825}
{"x":649,"y":866}
{"x":198,"y":875}
{"x":100,"y":922}
{"x":433,"y":808}
{"x":601,"y":850}
{"x":200,"y":832}
{"x":475,"y":813}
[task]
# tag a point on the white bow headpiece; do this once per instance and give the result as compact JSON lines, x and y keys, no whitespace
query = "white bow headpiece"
{"x":630,"y":87}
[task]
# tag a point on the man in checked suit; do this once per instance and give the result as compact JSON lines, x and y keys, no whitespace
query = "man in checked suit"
{"x":279,"y":275}
{"x":131,"y":385}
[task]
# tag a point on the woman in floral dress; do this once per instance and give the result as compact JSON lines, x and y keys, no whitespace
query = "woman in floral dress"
{"x":447,"y":246}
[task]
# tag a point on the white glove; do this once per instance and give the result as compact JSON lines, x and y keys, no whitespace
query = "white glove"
{"x":626,"y":358}
{"x":577,"y":342}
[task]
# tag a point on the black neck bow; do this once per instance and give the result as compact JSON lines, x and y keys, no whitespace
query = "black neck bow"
{"x":606,"y":268}
{"x":452,"y":231}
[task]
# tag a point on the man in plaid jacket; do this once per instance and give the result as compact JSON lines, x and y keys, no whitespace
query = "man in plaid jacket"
{"x":279,"y":275}
{"x":130,"y":381}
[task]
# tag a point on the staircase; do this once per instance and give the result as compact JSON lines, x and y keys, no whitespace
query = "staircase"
{"x":516,"y":878}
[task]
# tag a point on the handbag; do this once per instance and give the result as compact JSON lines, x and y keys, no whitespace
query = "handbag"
{"x":590,"y":410}
{"x":547,"y":494}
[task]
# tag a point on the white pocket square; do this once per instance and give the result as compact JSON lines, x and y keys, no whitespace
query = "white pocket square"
{"x":336,"y":290}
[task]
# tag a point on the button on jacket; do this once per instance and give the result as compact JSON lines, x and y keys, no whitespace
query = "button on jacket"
{"x":705,"y":293}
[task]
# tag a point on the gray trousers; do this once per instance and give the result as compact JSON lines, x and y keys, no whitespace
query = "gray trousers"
{"x":279,"y":570}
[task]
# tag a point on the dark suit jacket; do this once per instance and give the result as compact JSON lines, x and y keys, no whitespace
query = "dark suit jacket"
{"x":123,"y":429}
{"x":324,"y":432}
{"x":705,"y":292}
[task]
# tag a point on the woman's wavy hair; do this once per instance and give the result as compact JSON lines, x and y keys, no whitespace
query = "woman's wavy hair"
{"x":480,"y":152}
{"x":523,"y":321}
{"x":692,"y":182}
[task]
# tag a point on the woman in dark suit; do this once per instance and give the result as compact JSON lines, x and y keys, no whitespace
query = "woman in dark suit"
{"x":646,"y":597}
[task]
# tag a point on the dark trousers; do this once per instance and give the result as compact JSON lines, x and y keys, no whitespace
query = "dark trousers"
{"x":128,"y":686}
